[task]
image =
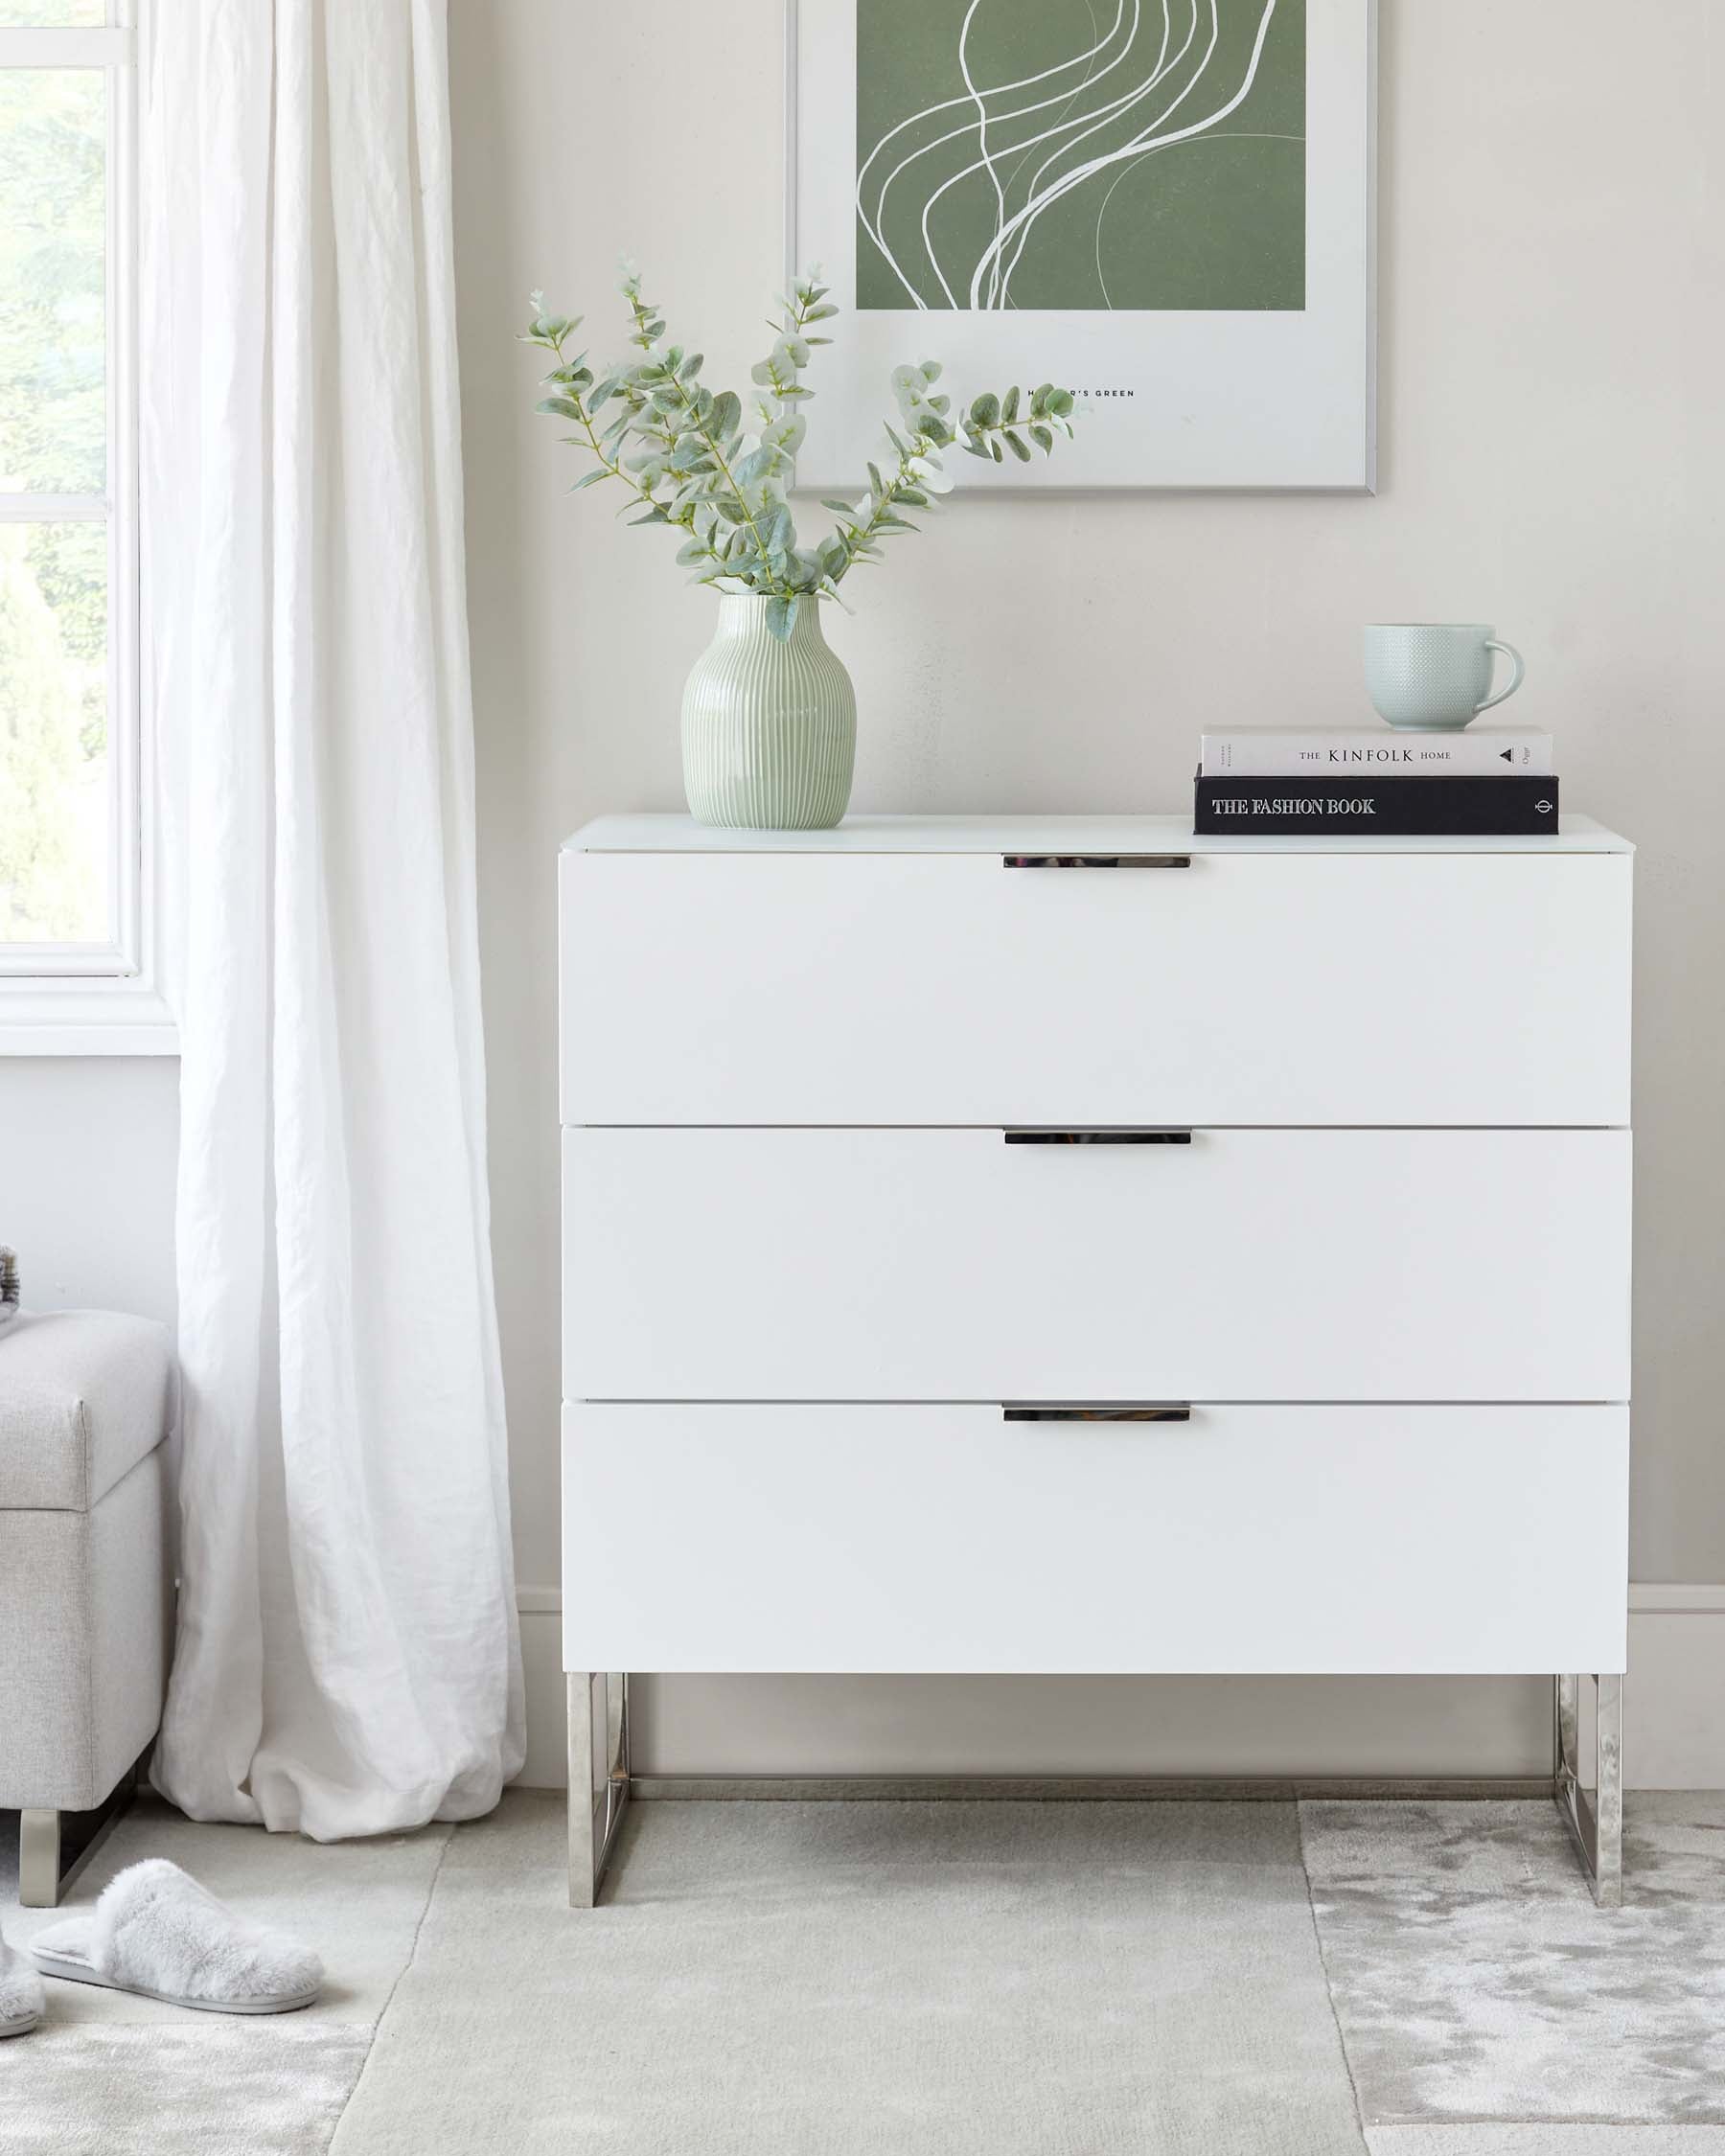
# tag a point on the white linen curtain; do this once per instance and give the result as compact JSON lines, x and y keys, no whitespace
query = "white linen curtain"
{"x":348,"y":1660}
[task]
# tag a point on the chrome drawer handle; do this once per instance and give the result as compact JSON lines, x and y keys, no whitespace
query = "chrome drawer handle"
{"x":1097,"y":1137}
{"x":1096,"y":861}
{"x":1158,"y":1410}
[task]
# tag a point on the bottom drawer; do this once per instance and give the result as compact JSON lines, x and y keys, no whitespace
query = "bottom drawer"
{"x":1249,"y":1538}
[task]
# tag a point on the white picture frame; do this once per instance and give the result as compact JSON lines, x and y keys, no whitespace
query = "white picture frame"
{"x":1240,"y":401}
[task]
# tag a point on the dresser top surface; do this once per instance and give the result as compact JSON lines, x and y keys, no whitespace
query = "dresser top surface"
{"x":1048,"y":835}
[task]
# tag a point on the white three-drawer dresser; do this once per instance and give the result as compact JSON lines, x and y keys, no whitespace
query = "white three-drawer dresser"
{"x":1067,"y":1243}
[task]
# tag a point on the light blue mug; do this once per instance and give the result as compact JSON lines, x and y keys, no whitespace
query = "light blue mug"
{"x":1435,"y":673}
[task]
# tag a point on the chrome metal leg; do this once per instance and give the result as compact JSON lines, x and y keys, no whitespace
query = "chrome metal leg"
{"x":47,"y":1840}
{"x":598,"y":1775}
{"x":38,"y":1859}
{"x":1594,"y":1818}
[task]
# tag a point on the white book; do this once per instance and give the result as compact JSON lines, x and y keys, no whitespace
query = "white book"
{"x":1381,"y":751}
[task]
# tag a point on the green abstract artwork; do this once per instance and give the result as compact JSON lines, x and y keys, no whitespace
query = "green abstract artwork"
{"x":1114,"y":156}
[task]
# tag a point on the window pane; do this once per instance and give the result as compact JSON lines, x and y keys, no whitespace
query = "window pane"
{"x":53,"y":14}
{"x":53,"y":300}
{"x":55,"y":780}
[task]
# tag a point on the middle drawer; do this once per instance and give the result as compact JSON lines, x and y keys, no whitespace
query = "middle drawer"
{"x":896,"y":1264}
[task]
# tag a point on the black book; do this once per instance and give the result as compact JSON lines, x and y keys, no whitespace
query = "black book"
{"x":1428,"y":806}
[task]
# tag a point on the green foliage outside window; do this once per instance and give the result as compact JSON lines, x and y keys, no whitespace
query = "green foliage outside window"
{"x":52,"y":441}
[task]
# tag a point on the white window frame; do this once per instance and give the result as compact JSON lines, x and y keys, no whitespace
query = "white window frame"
{"x":65,"y":999}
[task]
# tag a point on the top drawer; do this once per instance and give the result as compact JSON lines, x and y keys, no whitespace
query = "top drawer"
{"x":947,"y":988}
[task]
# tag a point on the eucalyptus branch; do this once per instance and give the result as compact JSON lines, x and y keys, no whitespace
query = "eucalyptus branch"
{"x":553,"y":332}
{"x":994,"y":420}
{"x":727,"y":484}
{"x":885,"y":499}
{"x":700,"y":424}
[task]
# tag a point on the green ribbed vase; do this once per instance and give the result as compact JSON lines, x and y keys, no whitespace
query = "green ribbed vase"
{"x":768,"y":728}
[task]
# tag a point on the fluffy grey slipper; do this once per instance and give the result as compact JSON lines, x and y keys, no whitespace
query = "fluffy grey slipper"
{"x":156,"y":1932}
{"x":20,"y":1994}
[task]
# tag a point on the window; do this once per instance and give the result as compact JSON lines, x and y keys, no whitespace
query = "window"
{"x":72,"y":844}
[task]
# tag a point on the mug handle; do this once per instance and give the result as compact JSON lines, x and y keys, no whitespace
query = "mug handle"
{"x":1514,"y":657}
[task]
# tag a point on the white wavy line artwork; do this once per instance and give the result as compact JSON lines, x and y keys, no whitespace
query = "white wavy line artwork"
{"x":874,"y":226}
{"x":1084,"y":131}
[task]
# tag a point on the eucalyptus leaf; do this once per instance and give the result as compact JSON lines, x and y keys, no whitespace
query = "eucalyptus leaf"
{"x":689,"y":459}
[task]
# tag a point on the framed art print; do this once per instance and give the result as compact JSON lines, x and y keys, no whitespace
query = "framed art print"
{"x":1164,"y":206}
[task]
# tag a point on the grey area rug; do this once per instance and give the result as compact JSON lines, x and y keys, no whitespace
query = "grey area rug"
{"x":1545,"y":2141}
{"x":228,"y":2089}
{"x":1474,"y":1980}
{"x":868,"y":1980}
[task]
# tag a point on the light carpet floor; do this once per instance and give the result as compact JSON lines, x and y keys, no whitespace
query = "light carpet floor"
{"x":887,"y":1980}
{"x":870,"y":1979}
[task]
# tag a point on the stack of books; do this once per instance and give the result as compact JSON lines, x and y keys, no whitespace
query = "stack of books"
{"x":1485,"y":781}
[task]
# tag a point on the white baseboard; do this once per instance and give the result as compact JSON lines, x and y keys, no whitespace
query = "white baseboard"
{"x":1674,"y":1695}
{"x":1674,"y":1714}
{"x":547,"y":1764}
{"x":1649,"y":1597}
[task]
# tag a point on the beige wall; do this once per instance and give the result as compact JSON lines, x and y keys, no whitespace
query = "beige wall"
{"x":87,"y":1151}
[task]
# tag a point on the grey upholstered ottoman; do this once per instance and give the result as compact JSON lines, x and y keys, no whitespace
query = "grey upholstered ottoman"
{"x":85,"y":1402}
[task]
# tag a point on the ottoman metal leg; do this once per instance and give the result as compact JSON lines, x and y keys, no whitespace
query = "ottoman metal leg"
{"x":47,"y":1840}
{"x":40,"y":1859}
{"x":598,"y":1774}
{"x":1594,"y":1818}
